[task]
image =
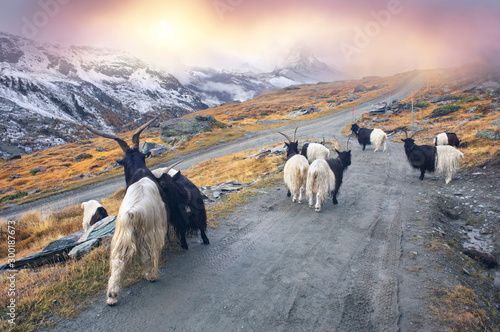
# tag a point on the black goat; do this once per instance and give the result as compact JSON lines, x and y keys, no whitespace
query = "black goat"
{"x":443,"y":158}
{"x":447,"y":139}
{"x":325,"y":177}
{"x":366,"y":136}
{"x":185,"y":201}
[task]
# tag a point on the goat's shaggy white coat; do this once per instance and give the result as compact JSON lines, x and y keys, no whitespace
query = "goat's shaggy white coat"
{"x":448,"y":160}
{"x":89,"y":208}
{"x":141,"y":226}
{"x":320,"y":183}
{"x":317,"y":151}
{"x":295,"y":175}
{"x":378,"y":138}
{"x":441,"y":139}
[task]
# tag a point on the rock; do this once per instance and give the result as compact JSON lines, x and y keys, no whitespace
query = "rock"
{"x":353,"y":97}
{"x":488,"y":134}
{"x":146,"y":147}
{"x":100,"y":149}
{"x":34,"y":191}
{"x":485,"y":258}
{"x":471,"y":110}
{"x":494,"y":106}
{"x":15,"y":176}
{"x":208,"y":118}
{"x":158,"y":151}
{"x":182,"y":126}
{"x":496,"y":123}
{"x":12,"y":157}
{"x":84,"y":248}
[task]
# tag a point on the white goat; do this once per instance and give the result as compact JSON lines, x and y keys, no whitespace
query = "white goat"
{"x":93,"y":211}
{"x":295,"y":171}
{"x":141,"y":226}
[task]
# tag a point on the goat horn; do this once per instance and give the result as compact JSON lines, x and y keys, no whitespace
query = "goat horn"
{"x":347,"y":144}
{"x":295,"y":133}
{"x":121,"y":142}
{"x":323,"y":139}
{"x":172,"y":166}
{"x":135,"y":137}
{"x":288,"y":138}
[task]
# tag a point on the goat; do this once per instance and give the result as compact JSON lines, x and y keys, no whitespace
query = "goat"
{"x":366,"y":136}
{"x":295,"y":171}
{"x":447,"y":139}
{"x":441,"y":158}
{"x":313,"y":151}
{"x":93,"y":211}
{"x":185,"y":201}
{"x":141,"y":223}
{"x":325,"y":177}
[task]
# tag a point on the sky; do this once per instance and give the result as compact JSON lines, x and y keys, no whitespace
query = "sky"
{"x":359,"y":38}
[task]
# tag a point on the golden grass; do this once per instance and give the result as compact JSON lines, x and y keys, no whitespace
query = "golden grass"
{"x":460,"y":309}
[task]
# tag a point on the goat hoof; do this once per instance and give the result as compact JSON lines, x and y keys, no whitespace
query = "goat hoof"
{"x":300,"y":202}
{"x":311,"y":206}
{"x":112,"y":299}
{"x":318,"y":209}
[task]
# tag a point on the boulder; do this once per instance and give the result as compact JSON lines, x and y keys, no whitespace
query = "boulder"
{"x":146,"y":147}
{"x":488,"y":134}
{"x":182,"y":127}
{"x":360,"y":88}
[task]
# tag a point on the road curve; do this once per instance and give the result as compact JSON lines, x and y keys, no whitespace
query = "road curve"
{"x":316,"y":129}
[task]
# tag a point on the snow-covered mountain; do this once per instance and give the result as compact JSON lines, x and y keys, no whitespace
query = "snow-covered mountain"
{"x":301,"y":65}
{"x":46,"y":88}
{"x":219,"y":86}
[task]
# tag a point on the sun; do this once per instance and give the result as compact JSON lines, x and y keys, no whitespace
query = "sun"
{"x":166,"y":31}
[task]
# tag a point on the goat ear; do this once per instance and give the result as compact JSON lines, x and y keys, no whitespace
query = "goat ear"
{"x":337,"y":151}
{"x":402,"y":140}
{"x":120,"y":161}
{"x":176,"y":176}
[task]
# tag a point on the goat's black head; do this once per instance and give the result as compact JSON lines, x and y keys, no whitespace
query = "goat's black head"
{"x":133,"y":159}
{"x":355,"y":128}
{"x":292,"y":146}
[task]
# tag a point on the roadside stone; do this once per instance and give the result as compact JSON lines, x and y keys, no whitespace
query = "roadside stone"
{"x":84,"y":248}
{"x":182,"y":127}
{"x":488,"y":134}
{"x":34,"y":191}
{"x":146,"y":147}
{"x":100,"y":149}
{"x":496,"y":123}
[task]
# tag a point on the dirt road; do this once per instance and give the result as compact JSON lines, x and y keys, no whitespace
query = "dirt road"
{"x":278,"y":266}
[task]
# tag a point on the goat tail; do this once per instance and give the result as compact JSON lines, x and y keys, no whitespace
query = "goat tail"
{"x":123,"y":245}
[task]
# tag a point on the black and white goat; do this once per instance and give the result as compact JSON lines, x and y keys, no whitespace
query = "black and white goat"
{"x":141,"y":223}
{"x":447,"y":139}
{"x":441,"y":158}
{"x":313,"y":151}
{"x":295,"y":171}
{"x":325,"y":177}
{"x":366,"y":136}
{"x":185,"y":201}
{"x":93,"y":211}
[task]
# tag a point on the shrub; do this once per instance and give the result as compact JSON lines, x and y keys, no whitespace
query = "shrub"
{"x":421,"y":104}
{"x":468,"y":99}
{"x":13,"y":196}
{"x":445,"y":110}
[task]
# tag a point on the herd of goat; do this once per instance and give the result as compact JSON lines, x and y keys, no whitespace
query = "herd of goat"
{"x":155,"y":199}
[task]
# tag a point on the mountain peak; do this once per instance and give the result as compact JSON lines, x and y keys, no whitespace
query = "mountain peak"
{"x":303,"y":66}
